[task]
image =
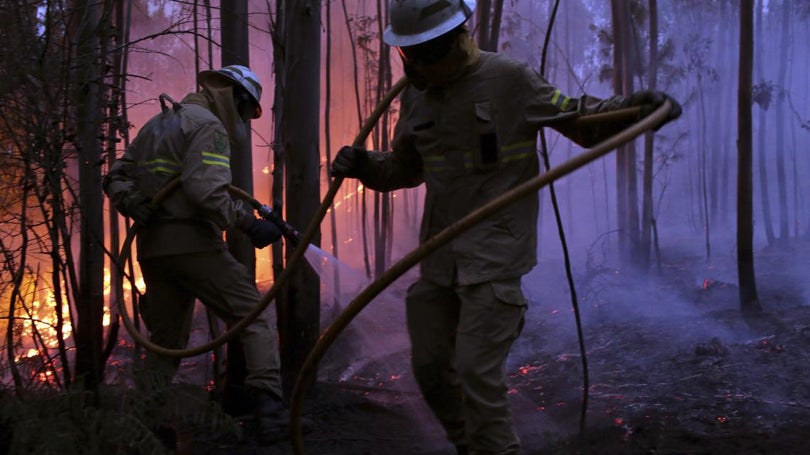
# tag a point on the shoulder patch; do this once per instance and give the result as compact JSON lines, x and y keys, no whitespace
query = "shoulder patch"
{"x":220,"y":142}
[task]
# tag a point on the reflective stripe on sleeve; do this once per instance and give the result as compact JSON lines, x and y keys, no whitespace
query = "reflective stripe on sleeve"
{"x":215,"y":159}
{"x":163,"y":166}
{"x":433,"y":163}
{"x":518,"y":151}
{"x":560,"y":100}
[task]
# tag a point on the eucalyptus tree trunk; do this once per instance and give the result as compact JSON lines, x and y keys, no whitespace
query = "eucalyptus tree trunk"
{"x":278,"y":34}
{"x":725,"y":118}
{"x":383,"y":207}
{"x":781,"y":177}
{"x":762,"y":123}
{"x":649,"y":149}
{"x":88,"y":99}
{"x":236,"y":51}
{"x":626,"y":182}
{"x":299,"y":328}
{"x":327,"y":133}
{"x":360,"y":202}
{"x":116,"y":124}
{"x":749,"y":300}
{"x":490,"y":13}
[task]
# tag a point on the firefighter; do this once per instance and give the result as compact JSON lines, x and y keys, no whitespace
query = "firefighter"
{"x":180,"y":244}
{"x":467,"y":130}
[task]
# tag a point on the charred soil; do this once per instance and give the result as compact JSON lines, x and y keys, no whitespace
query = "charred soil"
{"x":673,"y":368}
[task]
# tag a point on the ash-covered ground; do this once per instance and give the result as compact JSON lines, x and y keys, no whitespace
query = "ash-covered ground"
{"x":673,"y":368}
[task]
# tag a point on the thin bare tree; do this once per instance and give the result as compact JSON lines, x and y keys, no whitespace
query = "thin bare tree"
{"x":749,"y":299}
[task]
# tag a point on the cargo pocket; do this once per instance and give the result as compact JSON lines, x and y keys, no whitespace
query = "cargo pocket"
{"x":493,"y":311}
{"x":512,"y":305}
{"x":488,"y":150}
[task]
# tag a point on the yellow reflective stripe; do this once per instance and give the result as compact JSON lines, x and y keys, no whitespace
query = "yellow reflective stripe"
{"x":468,"y":163}
{"x":163,"y":170}
{"x":433,"y":163}
{"x":215,"y":159}
{"x":518,"y":151}
{"x":163,"y":166}
{"x":560,"y":100}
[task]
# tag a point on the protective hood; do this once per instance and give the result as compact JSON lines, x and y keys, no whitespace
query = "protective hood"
{"x":217,"y":96}
{"x":463,"y":55}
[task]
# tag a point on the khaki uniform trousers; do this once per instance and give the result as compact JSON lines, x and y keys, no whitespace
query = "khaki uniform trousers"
{"x":222,"y":284}
{"x":460,"y":338}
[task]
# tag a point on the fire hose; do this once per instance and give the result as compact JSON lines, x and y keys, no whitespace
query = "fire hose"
{"x":300,"y":242}
{"x":309,"y":367}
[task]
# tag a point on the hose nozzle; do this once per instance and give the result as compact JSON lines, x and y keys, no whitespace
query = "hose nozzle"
{"x":287,"y":230}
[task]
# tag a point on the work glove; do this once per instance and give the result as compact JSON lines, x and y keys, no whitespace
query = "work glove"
{"x":350,"y":162}
{"x":650,"y":100}
{"x":135,"y":205}
{"x":260,"y":232}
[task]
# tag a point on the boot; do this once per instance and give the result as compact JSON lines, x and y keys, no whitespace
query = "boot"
{"x":272,"y":420}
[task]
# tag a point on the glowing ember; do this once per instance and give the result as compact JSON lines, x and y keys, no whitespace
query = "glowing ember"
{"x":524,"y":370}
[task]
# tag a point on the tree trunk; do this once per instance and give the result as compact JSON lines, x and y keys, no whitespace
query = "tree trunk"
{"x":767,"y":218}
{"x":649,"y":148}
{"x":299,"y":128}
{"x":236,"y":51}
{"x":278,"y":32}
{"x":749,"y":301}
{"x":489,"y":17}
{"x":626,"y":183}
{"x":383,"y":206}
{"x":88,"y":102}
{"x":781,"y":177}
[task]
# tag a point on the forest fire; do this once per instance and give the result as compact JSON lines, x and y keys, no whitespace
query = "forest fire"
{"x":39,"y":331}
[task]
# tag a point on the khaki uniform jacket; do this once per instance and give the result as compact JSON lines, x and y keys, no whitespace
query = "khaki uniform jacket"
{"x":470,"y":142}
{"x":192,"y":144}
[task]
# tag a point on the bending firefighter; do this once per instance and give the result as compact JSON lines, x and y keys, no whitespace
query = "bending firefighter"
{"x":468,"y":129}
{"x":180,"y":244}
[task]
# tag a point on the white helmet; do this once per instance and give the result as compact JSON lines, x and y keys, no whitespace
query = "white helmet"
{"x":416,"y":21}
{"x":239,"y":75}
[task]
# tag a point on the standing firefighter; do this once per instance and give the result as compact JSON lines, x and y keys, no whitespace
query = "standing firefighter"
{"x":468,"y":130}
{"x":181,"y":249}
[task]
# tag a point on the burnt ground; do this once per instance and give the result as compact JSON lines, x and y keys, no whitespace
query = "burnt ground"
{"x":674,"y":368}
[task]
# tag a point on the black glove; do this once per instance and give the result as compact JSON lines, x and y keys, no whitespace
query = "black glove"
{"x":650,"y":100}
{"x":136,"y":206}
{"x":350,"y":162}
{"x":261,"y":232}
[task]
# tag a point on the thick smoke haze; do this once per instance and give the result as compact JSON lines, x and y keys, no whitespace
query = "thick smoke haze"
{"x":694,"y":186}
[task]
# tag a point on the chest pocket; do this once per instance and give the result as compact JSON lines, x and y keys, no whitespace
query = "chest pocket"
{"x":488,"y":152}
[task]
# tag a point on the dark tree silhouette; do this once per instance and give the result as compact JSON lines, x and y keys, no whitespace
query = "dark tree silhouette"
{"x":749,"y":300}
